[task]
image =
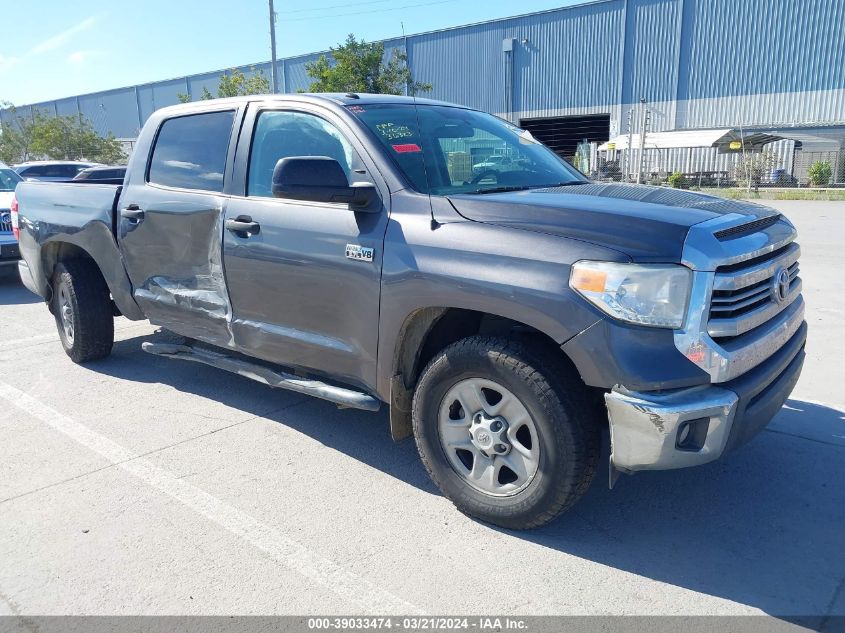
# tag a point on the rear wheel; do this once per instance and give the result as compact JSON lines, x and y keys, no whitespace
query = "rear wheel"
{"x":505,"y":431}
{"x":83,"y":310}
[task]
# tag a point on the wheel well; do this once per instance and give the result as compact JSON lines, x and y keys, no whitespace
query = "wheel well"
{"x":54,"y":252}
{"x":430,"y":330}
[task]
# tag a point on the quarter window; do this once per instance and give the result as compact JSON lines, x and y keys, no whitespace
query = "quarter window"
{"x":282,"y":134}
{"x":190,"y":151}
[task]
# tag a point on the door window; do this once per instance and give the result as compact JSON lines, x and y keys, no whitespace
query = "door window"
{"x":282,"y":134}
{"x":190,"y":151}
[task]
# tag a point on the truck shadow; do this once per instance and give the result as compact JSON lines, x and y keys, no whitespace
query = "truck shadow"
{"x":763,"y":528}
{"x":12,"y":291}
{"x":362,"y":435}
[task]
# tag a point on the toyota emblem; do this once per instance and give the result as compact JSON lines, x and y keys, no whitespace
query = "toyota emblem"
{"x":780,"y":288}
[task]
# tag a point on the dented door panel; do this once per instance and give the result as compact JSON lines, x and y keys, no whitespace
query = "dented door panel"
{"x":175,"y":263}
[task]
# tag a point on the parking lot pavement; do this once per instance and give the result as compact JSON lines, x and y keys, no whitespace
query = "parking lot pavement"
{"x":142,"y":485}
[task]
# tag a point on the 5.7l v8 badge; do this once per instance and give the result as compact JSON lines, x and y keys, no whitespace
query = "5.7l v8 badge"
{"x":359,"y":253}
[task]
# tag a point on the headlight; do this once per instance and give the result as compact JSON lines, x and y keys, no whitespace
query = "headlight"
{"x":646,"y":294}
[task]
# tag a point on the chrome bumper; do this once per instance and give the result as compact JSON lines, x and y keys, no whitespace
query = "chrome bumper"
{"x":682,"y":428}
{"x":26,"y":277}
{"x":696,"y":425}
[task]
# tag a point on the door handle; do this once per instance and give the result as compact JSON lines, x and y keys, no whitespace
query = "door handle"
{"x":243,"y":226}
{"x":133,"y":213}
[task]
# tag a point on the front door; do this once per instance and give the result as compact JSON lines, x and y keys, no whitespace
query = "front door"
{"x":171,"y":226}
{"x":305,"y":286}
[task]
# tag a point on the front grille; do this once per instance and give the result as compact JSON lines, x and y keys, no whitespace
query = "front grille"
{"x":5,"y":221}
{"x":746,"y":295}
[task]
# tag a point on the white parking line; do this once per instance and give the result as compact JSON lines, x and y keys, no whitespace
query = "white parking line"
{"x":46,"y":338}
{"x":279,"y":547}
{"x":29,"y":340}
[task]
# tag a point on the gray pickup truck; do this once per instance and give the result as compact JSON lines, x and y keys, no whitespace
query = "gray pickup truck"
{"x":343,"y":246}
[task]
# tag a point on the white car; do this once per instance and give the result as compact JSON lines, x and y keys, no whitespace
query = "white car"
{"x":9,"y":253}
{"x":496,"y":163}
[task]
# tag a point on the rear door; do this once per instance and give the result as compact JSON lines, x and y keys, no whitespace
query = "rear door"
{"x":300,"y":295}
{"x":171,"y":224}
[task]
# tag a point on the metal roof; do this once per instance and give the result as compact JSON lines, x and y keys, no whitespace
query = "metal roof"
{"x":664,"y":140}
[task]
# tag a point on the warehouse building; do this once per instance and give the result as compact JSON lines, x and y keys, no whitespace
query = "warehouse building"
{"x":600,"y":72}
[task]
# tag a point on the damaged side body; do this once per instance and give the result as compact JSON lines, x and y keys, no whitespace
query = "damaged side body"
{"x":174,"y":259}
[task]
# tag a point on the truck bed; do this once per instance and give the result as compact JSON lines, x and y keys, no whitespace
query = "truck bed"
{"x":77,"y":214}
{"x":68,"y":205}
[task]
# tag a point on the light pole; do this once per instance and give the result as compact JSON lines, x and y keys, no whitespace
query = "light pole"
{"x":643,"y":126}
{"x":274,"y":82}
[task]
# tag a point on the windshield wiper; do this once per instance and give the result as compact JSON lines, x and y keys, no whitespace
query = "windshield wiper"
{"x":560,"y":184}
{"x":500,"y":189}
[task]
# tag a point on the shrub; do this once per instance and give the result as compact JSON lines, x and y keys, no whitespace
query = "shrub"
{"x":676,"y":180}
{"x":820,"y":172}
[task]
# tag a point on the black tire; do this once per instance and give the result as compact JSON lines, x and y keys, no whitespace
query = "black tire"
{"x":81,"y":294}
{"x":564,"y":418}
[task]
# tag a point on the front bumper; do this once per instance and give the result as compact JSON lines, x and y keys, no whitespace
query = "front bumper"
{"x":696,"y":425}
{"x":10,"y":253}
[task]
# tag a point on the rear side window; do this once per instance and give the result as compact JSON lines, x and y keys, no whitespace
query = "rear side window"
{"x":57,"y":170}
{"x":70,"y":170}
{"x":190,"y":151}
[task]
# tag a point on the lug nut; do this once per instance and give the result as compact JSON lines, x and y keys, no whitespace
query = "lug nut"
{"x":496,"y":426}
{"x":501,"y":448}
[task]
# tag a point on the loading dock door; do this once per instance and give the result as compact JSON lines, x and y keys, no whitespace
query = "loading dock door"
{"x":563,"y":134}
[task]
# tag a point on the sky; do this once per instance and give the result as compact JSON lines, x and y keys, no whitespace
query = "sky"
{"x":54,"y":48}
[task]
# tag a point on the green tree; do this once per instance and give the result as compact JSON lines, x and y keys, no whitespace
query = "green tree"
{"x":15,"y":137}
{"x":820,"y":172}
{"x":57,"y":138}
{"x":360,"y":67}
{"x":234,"y":84}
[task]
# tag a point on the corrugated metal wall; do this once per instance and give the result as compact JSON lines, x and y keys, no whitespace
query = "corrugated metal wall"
{"x":699,"y":63}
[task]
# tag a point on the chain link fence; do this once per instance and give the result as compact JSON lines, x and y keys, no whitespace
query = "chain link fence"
{"x":778,"y":164}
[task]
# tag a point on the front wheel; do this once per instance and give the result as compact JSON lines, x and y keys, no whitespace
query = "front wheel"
{"x":83,"y":310}
{"x":505,"y":431}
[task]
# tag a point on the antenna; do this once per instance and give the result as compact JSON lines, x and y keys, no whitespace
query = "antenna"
{"x":409,"y":87}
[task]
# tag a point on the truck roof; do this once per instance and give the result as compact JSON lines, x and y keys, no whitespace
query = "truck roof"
{"x":337,"y":98}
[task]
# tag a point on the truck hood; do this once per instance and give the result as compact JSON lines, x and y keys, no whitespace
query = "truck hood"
{"x":646,"y":223}
{"x":6,"y":199}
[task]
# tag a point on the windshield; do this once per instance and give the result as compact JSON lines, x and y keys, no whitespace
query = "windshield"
{"x":445,"y":150}
{"x":8,"y":179}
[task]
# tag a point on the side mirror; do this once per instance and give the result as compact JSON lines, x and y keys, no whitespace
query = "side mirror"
{"x":320,"y":179}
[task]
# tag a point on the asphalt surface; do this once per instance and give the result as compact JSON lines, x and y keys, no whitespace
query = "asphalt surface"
{"x":141,"y":485}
